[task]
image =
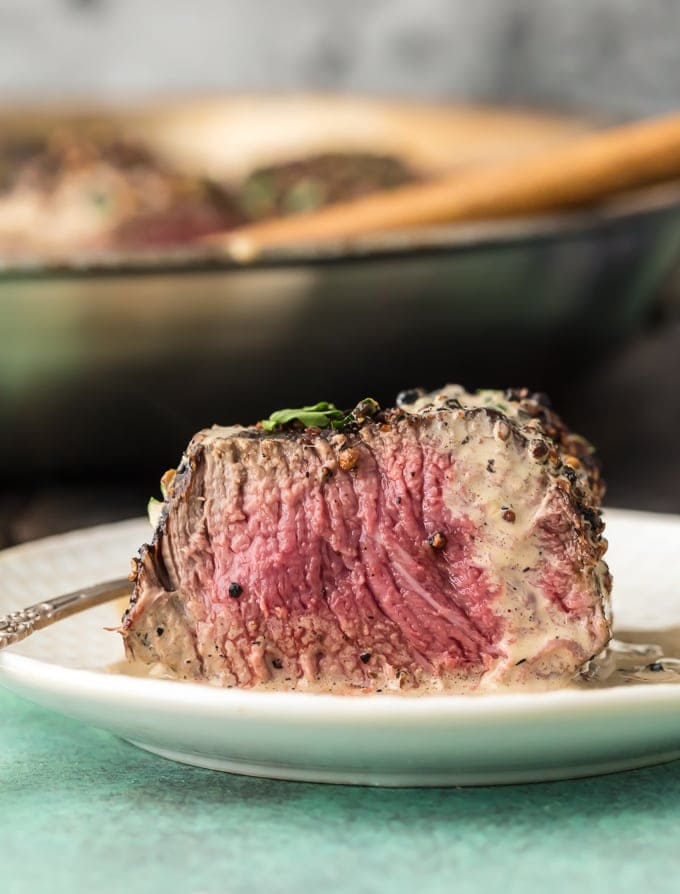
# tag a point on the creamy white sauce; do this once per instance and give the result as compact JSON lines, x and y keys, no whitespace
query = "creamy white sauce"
{"x":632,"y":658}
{"x":652,"y":656}
{"x":519,"y":482}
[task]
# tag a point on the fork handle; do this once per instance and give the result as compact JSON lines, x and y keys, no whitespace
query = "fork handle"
{"x":17,"y":625}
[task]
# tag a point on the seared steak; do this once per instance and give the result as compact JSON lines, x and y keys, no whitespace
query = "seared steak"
{"x":319,"y":180}
{"x":72,"y":191}
{"x":451,"y":544}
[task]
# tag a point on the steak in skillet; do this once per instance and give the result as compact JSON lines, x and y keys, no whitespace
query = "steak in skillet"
{"x":77,"y":192}
{"x":451,"y":544}
{"x":308,"y":184}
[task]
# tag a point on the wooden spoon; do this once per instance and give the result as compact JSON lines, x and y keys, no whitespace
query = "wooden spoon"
{"x":581,"y":172}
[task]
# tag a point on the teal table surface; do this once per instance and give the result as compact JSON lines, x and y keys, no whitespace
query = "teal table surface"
{"x":83,"y":811}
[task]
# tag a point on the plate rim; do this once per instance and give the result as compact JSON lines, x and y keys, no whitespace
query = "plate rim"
{"x":204,"y":700}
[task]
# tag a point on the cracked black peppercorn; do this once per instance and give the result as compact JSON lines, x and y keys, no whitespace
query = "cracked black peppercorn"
{"x":539,"y":450}
{"x":540,"y":397}
{"x":365,"y":657}
{"x":409,"y":396}
{"x":366,"y":409}
{"x":235,"y":590}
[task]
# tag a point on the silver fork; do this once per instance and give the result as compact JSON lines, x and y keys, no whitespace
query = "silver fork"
{"x":18,"y":625}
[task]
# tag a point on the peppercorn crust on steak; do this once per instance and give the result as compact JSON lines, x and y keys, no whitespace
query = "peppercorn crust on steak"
{"x":453,"y":544}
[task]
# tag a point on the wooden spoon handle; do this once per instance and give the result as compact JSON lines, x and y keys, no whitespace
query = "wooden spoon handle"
{"x":578,"y":173}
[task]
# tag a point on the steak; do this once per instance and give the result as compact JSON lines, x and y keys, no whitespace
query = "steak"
{"x":451,"y":544}
{"x":72,"y":191}
{"x":316,"y":181}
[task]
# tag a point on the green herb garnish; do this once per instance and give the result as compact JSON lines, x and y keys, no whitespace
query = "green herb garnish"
{"x":321,"y":415}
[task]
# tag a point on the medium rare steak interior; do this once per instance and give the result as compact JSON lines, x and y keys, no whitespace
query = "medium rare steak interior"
{"x":453,"y":543}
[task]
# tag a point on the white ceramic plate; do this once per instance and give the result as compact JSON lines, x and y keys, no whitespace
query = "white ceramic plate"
{"x":378,"y":740}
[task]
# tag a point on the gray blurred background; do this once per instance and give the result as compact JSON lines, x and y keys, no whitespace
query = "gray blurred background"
{"x":614,"y":58}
